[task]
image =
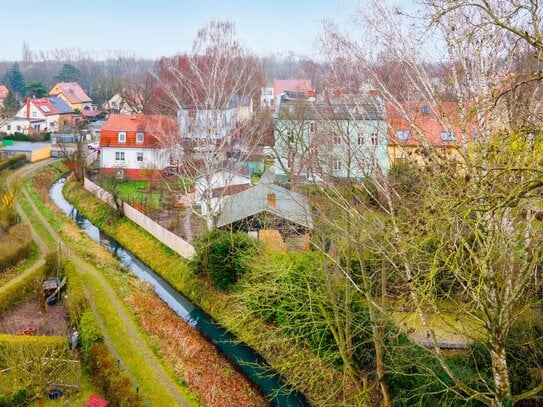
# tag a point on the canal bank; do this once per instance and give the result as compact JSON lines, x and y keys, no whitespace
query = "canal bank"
{"x":242,"y":356}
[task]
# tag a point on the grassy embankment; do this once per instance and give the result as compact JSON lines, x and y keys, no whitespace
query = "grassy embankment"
{"x":37,"y":185}
{"x":202,"y":369}
{"x":219,"y":304}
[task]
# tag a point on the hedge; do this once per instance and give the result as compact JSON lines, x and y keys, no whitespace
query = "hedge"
{"x":15,"y":246}
{"x":89,"y":334}
{"x":21,"y":289}
{"x":76,"y":301}
{"x":108,"y":377}
{"x":12,"y":162}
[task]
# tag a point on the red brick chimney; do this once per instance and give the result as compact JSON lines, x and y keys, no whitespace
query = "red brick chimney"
{"x":373,"y":92}
{"x":272,"y":200}
{"x":28,"y":108}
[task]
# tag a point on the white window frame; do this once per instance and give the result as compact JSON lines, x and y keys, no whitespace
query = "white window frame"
{"x":337,"y":164}
{"x":119,"y":156}
{"x":360,"y":140}
{"x":121,"y":137}
{"x":403,"y":135}
{"x":139,"y":155}
{"x":139,"y":137}
{"x":374,"y":139}
{"x":447,"y":135}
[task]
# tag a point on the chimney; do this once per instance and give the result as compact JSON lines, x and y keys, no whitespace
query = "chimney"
{"x":311,"y":94}
{"x":373,"y":92}
{"x":28,"y":108}
{"x":133,"y":117}
{"x":272,"y":200}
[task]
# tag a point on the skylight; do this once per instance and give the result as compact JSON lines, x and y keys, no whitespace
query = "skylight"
{"x":45,"y":109}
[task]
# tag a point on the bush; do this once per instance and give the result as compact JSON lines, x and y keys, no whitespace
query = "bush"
{"x":223,"y":256}
{"x":3,"y":401}
{"x":13,"y":162}
{"x":89,"y":334}
{"x":19,"y":398}
{"x":76,"y":301}
{"x":15,"y":246}
{"x":21,"y":289}
{"x":109,"y":378}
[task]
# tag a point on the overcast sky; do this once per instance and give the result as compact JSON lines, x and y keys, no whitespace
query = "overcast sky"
{"x":153,"y":28}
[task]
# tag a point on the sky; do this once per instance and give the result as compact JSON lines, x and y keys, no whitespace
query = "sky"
{"x":154,"y":28}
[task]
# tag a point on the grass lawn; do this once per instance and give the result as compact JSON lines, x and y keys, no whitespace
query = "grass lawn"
{"x":136,"y":191}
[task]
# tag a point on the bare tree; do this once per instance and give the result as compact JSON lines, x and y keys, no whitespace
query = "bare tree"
{"x":211,"y":91}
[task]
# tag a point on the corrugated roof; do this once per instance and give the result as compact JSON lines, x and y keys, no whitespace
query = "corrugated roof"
{"x":289,"y":205}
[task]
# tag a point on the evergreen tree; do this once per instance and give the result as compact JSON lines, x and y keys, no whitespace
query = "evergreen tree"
{"x":68,"y":73}
{"x":11,"y":105}
{"x":35,"y":89}
{"x":15,"y":80}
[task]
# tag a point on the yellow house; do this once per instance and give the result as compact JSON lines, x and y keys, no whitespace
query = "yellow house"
{"x":418,"y":130}
{"x":72,"y":94}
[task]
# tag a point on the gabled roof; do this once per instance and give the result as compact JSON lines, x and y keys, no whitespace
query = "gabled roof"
{"x":426,"y":122}
{"x":281,"y":85}
{"x":72,"y":91}
{"x":140,"y":123}
{"x":46,"y":107}
{"x":4,"y":92}
{"x":60,"y":105}
{"x":289,"y":205}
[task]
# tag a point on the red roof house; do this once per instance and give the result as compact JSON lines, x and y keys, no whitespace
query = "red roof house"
{"x":137,"y":145}
{"x":3,"y":92}
{"x":281,"y":85}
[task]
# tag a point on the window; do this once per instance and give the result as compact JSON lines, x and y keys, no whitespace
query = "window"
{"x":290,"y":136}
{"x":18,"y":128}
{"x":337,"y":163}
{"x":122,"y":137}
{"x":139,"y":156}
{"x":403,"y":134}
{"x":337,"y":140}
{"x":119,"y":155}
{"x":374,"y":139}
{"x":447,"y":135}
{"x":312,"y":127}
{"x":360,"y":139}
{"x":9,"y":127}
{"x":34,"y":114}
{"x":139,"y":138}
{"x":425,"y":110}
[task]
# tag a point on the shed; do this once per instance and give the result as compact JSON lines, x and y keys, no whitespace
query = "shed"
{"x":33,"y":151}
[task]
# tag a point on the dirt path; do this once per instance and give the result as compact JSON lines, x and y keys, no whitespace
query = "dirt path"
{"x":109,"y":307}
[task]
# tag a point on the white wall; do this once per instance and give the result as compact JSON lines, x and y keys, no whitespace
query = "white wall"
{"x":152,"y":158}
{"x":218,"y":179}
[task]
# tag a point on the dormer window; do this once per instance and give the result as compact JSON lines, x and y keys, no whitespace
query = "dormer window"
{"x":139,"y":138}
{"x":122,"y":137}
{"x":447,"y":135}
{"x":403,"y":134}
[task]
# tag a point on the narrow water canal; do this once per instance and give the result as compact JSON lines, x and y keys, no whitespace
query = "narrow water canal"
{"x":241,"y":355}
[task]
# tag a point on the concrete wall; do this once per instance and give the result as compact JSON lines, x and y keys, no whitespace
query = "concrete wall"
{"x":171,"y":240}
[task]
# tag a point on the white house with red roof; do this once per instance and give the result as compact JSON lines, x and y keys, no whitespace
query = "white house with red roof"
{"x":137,"y":146}
{"x":49,"y":114}
{"x":73,"y":95}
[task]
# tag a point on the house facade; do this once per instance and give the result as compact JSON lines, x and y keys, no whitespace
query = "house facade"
{"x":52,"y":111}
{"x":137,"y":145}
{"x":336,"y":138}
{"x":22,"y":125}
{"x":72,"y":94}
{"x":418,"y":131}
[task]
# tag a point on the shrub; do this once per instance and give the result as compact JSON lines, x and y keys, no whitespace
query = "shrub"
{"x":15,"y":246}
{"x":89,"y":334}
{"x":19,"y":398}
{"x":3,"y":401}
{"x":110,"y":379}
{"x":223,"y":256}
{"x":13,"y":162}
{"x":76,"y":301}
{"x":21,"y":289}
